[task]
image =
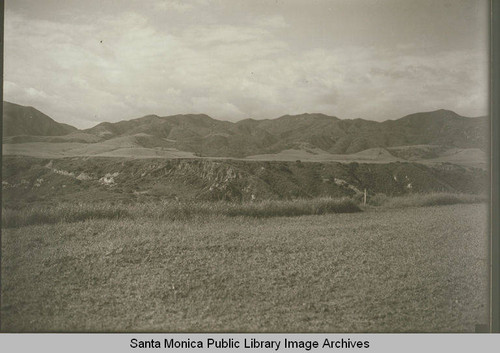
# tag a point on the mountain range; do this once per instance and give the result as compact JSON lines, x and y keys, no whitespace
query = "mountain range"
{"x":205,"y":136}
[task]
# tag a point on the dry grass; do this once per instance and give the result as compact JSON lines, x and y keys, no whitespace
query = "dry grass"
{"x":169,"y":210}
{"x":422,"y":200}
{"x":393,"y":270}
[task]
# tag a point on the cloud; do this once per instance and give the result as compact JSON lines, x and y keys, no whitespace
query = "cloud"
{"x":275,"y":21}
{"x":180,"y":6}
{"x":173,"y":5}
{"x":123,"y":66}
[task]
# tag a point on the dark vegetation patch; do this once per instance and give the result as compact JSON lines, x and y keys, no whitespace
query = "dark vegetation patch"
{"x":171,"y":210}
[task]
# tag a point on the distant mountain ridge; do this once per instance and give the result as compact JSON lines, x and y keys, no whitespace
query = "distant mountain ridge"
{"x":205,"y":136}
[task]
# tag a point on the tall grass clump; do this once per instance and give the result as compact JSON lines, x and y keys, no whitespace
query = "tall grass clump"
{"x":432,"y":199}
{"x":266,"y":209}
{"x":173,"y":211}
{"x":65,"y":212}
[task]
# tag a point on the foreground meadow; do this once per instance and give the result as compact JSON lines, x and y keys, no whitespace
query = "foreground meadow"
{"x":412,"y":269}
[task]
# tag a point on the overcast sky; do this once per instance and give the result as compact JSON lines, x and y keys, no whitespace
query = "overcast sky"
{"x":84,"y":62}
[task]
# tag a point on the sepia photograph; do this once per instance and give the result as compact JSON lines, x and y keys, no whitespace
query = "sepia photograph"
{"x":263,"y":166}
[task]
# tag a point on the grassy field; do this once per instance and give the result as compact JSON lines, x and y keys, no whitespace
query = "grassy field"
{"x":122,"y":147}
{"x":100,"y":149}
{"x":411,"y":269}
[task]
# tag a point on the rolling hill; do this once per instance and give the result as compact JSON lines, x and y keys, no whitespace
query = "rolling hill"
{"x":21,"y":120}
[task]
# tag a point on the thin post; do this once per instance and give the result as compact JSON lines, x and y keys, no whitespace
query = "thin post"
{"x":364,"y":198}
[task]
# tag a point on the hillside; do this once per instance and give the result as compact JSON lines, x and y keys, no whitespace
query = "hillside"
{"x":21,"y":120}
{"x":196,"y":133}
{"x":441,"y":127}
{"x":90,"y":179}
{"x":308,"y":136}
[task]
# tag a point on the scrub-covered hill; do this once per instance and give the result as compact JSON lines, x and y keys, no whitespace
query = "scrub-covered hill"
{"x":87,"y":179}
